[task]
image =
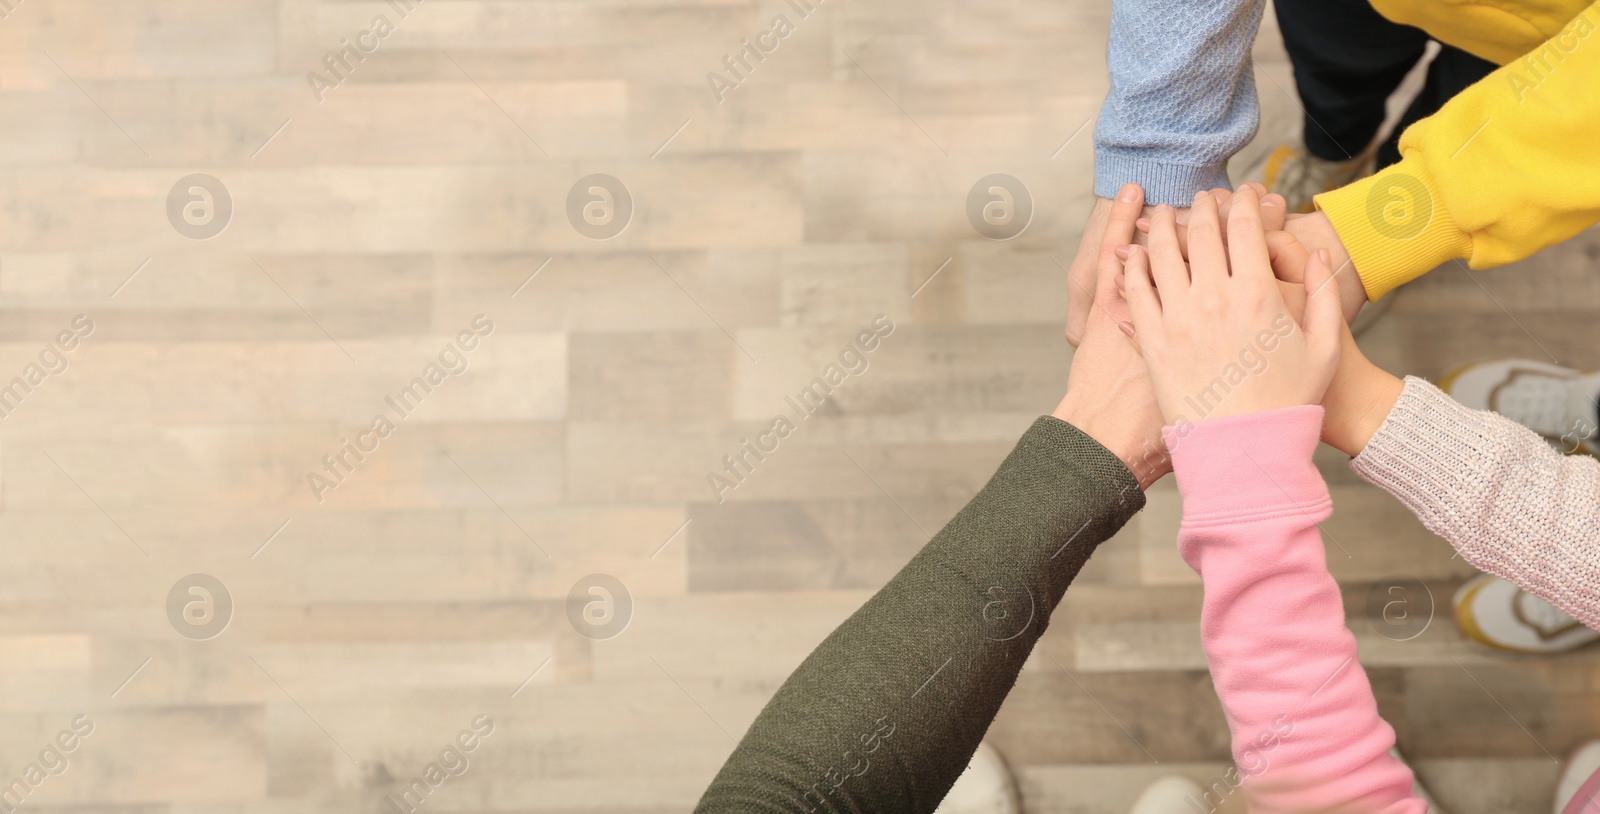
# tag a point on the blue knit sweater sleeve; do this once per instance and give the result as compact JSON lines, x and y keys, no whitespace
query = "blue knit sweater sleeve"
{"x":1182,"y":100}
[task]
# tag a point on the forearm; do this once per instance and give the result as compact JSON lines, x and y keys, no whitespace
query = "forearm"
{"x":885,"y":713}
{"x":1503,"y":170}
{"x":1182,"y":98}
{"x":1496,"y":492}
{"x":1305,"y":724}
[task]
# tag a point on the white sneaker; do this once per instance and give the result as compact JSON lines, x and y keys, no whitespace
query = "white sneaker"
{"x":1556,"y":402}
{"x":1578,"y":790}
{"x":1495,"y":614}
{"x":1174,"y":794}
{"x":986,"y":787}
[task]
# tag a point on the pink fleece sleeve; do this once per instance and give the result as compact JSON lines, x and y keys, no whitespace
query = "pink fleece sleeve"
{"x":1306,"y":731}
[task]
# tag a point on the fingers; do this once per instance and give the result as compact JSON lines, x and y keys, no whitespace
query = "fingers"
{"x":1119,"y":231}
{"x":1143,"y":225}
{"x":1247,"y":243}
{"x":1082,"y":274}
{"x":1324,"y":319}
{"x":1166,"y":258}
{"x":1223,"y":195}
{"x":1108,"y":296}
{"x":1294,"y":298}
{"x":1143,"y":303}
{"x":1274,"y":215}
{"x":1112,"y":300}
{"x":1115,"y":228}
{"x":1274,"y":211}
{"x":1208,"y":258}
{"x":1288,"y":257}
{"x":1125,"y":211}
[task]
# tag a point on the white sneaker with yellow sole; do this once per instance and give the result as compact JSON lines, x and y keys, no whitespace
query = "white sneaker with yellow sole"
{"x":1498,"y":616}
{"x":1556,"y":402}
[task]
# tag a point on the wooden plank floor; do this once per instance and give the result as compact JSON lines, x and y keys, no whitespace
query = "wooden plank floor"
{"x":421,"y":589}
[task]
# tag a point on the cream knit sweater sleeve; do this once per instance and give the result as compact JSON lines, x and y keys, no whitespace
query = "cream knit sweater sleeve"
{"x":1506,"y":500}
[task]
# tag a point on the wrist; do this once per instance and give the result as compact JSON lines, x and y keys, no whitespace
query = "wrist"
{"x":1143,"y":453}
{"x":1394,"y":224}
{"x":1352,"y":291}
{"x":1357,"y":403}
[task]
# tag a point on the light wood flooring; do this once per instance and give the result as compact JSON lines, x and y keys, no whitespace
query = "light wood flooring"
{"x":429,"y":588}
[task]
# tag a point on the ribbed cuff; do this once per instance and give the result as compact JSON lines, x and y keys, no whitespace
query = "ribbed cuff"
{"x":1248,"y":465}
{"x":1089,"y":467}
{"x":1394,"y":225}
{"x":1432,"y":453}
{"x":1164,"y":182}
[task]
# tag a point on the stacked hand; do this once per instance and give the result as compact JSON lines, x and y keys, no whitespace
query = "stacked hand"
{"x":1361,"y":394}
{"x":1218,"y":335}
{"x":1313,"y":232}
{"x":1109,"y":394}
{"x":1085,"y":269}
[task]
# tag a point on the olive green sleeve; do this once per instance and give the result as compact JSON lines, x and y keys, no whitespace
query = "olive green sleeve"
{"x":886,"y":712}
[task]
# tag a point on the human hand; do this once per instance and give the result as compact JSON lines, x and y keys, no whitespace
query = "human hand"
{"x":1273,"y":214}
{"x":1216,"y":332}
{"x":1361,"y":394}
{"x":1315,"y":231}
{"x":1083,"y":274}
{"x":1085,"y":264}
{"x":1109,"y":393}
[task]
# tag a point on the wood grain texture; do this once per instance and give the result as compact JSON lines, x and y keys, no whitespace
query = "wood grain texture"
{"x":376,"y":620}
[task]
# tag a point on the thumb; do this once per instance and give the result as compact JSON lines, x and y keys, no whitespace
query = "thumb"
{"x":1324,"y":316}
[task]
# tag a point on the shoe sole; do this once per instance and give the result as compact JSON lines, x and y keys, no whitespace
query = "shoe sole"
{"x":1448,"y":380}
{"x":1475,"y":637}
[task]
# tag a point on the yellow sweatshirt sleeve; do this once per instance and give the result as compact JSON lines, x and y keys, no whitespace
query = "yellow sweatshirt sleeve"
{"x":1509,"y":166}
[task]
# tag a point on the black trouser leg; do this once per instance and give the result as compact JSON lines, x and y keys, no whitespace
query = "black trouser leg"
{"x":1347,"y":60}
{"x":1449,"y":74}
